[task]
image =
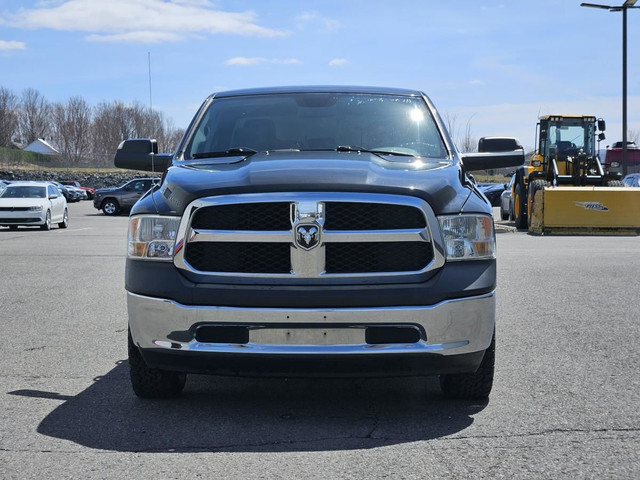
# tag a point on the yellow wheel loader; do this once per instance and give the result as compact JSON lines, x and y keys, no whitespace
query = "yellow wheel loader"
{"x":564,"y":188}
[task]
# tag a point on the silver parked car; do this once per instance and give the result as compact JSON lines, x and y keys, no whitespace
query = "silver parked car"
{"x":506,"y":201}
{"x":33,"y":204}
{"x":632,"y":180}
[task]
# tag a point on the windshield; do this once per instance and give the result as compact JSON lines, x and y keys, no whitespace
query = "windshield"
{"x":570,"y":136}
{"x":386,"y":124}
{"x":24,"y":192}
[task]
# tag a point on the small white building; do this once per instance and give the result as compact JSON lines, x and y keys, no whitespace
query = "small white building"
{"x":41,"y":146}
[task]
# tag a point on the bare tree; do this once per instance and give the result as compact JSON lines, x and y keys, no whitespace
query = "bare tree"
{"x":467,"y":142}
{"x":8,"y":116}
{"x":110,"y":127}
{"x":464,"y":141}
{"x":72,"y":128}
{"x":114,"y":122}
{"x":633,"y":136}
{"x":172,"y":139}
{"x":450,"y":122}
{"x":34,"y":116}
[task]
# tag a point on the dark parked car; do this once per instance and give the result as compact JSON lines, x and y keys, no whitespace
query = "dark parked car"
{"x":88,"y":190}
{"x":492,"y":191}
{"x":115,"y":199}
{"x":71,"y":194}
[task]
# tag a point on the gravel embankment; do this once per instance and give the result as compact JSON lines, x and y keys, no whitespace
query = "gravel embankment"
{"x":94,"y":180}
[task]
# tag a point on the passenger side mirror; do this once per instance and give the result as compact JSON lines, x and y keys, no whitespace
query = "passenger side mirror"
{"x":494,"y":152}
{"x":498,"y":144}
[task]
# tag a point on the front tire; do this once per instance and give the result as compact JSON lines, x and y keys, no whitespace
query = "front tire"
{"x":152,"y":382}
{"x":533,"y":188}
{"x":110,"y":207}
{"x":472,"y":386}
{"x":520,"y":208}
{"x":65,"y":220}
{"x":47,"y":222}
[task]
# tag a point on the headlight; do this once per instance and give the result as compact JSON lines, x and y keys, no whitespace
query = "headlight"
{"x":468,"y":237}
{"x":37,"y":208}
{"x":152,"y":237}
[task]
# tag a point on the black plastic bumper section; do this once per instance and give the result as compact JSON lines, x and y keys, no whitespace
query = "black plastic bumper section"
{"x":326,"y":366}
{"x":454,"y":280}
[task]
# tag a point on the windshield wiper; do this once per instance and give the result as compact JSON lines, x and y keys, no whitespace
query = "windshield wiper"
{"x":232,"y":152}
{"x":355,"y":148}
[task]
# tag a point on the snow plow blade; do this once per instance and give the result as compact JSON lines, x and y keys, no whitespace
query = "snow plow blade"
{"x":586,"y":211}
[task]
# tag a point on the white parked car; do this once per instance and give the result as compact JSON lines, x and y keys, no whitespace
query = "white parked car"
{"x":33,"y":203}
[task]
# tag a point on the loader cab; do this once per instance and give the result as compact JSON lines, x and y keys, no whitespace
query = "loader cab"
{"x":567,"y":136}
{"x":567,"y":149}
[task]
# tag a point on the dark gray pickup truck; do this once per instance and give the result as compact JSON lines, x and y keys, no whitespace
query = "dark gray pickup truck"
{"x":313,"y":231}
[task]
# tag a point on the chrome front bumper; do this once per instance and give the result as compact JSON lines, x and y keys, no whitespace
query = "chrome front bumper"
{"x":449,"y":328}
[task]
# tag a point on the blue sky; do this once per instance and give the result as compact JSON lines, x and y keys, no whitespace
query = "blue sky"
{"x":495,"y":64}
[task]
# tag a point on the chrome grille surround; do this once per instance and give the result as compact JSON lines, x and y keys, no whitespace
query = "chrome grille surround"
{"x":307,"y":238}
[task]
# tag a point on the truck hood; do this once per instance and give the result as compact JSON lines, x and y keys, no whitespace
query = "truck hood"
{"x":436,"y":181}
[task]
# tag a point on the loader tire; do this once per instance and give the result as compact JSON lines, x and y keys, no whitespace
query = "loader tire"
{"x":533,"y":188}
{"x":520,"y":207}
{"x":615,"y":183}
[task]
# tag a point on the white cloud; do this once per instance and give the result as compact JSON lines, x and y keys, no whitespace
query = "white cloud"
{"x":134,"y":20}
{"x":8,"y":45}
{"x":287,"y":61}
{"x":251,"y":61}
{"x":323,"y":24}
{"x":245,"y":61}
{"x":136,"y":37}
{"x":338,"y":62}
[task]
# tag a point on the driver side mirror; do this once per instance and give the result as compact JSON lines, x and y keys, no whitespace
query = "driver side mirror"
{"x":141,"y":154}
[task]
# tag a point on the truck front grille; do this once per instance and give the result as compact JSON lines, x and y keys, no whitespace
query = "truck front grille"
{"x":308,"y":235}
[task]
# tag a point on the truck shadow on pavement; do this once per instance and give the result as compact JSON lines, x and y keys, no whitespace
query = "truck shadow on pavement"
{"x":219,"y":414}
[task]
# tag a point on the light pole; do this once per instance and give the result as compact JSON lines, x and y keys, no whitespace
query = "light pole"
{"x":621,"y":8}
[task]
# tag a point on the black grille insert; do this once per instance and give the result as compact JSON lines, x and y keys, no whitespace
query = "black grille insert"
{"x":240,"y":257}
{"x":222,"y":334}
{"x":372,"y":257}
{"x":268,"y":216}
{"x":371,"y":216}
{"x":384,"y":334}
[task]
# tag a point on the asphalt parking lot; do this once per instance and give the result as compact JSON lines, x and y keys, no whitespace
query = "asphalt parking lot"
{"x":564,"y":405}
